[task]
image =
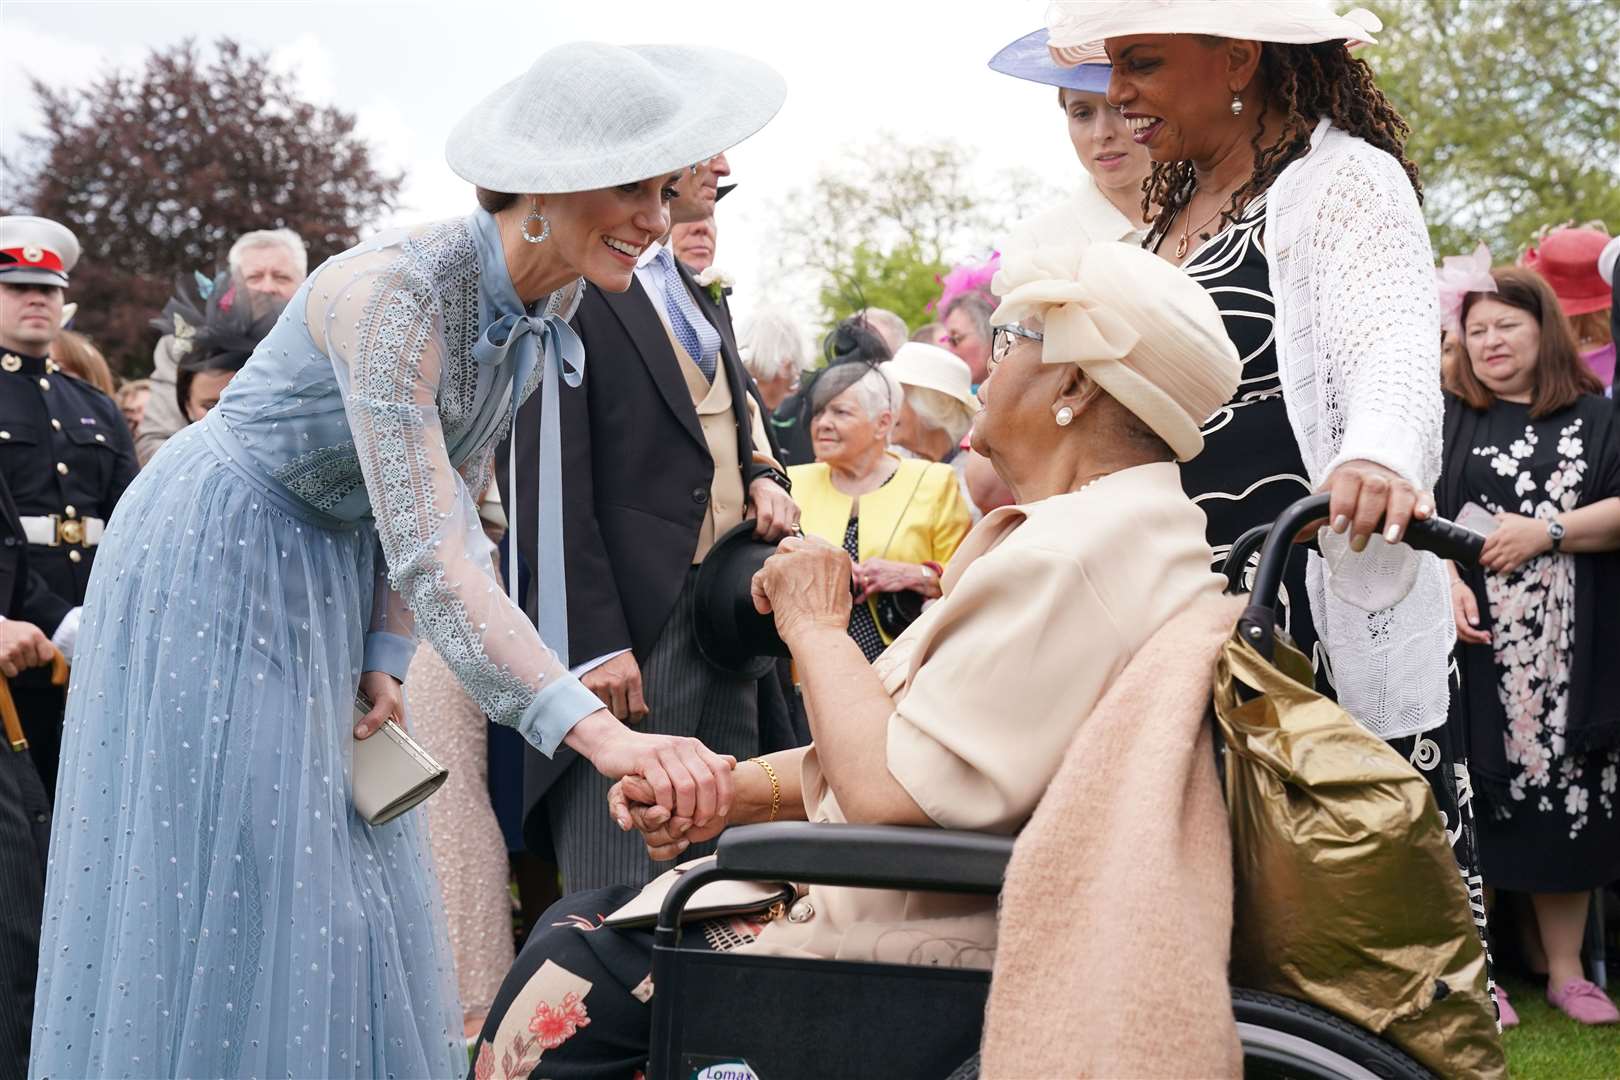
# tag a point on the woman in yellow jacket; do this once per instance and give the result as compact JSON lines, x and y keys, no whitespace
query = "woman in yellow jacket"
{"x":900,"y":519}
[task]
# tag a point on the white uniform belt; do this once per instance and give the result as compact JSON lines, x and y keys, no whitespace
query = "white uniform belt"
{"x":53,"y":530}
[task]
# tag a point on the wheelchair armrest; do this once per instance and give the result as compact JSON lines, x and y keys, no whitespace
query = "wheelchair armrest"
{"x":866,"y":856}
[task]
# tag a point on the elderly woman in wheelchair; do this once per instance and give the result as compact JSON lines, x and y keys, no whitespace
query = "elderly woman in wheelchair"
{"x":1105,"y":361}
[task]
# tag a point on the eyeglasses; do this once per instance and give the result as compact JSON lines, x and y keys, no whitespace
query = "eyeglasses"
{"x":1003,"y":338}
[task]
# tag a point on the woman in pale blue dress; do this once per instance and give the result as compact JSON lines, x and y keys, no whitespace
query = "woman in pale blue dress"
{"x":215,"y":906}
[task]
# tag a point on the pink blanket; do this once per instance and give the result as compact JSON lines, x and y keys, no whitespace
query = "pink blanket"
{"x":1116,"y":918}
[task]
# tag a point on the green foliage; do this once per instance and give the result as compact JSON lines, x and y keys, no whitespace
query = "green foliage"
{"x":1515,"y":113}
{"x":902,"y":280}
{"x":878,"y":231}
{"x":158,"y":170}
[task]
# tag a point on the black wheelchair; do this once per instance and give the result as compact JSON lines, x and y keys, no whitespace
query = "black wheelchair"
{"x":784,"y":1019}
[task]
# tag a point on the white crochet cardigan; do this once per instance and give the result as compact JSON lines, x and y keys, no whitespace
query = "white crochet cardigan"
{"x":1358,"y":350}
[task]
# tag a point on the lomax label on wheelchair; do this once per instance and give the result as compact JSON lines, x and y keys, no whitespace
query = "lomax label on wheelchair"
{"x":707,"y":1068}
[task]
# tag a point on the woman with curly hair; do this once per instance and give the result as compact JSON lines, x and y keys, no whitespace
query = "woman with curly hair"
{"x":1282,"y":186}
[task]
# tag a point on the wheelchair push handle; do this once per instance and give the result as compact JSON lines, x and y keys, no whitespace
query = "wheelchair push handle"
{"x":1444,"y":538}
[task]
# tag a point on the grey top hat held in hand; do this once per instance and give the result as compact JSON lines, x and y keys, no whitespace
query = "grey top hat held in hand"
{"x":589,"y":115}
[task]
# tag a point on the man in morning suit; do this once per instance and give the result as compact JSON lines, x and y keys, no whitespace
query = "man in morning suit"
{"x":663,"y":451}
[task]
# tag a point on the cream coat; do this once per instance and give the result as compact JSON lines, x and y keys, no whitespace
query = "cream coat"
{"x":1044,"y":606}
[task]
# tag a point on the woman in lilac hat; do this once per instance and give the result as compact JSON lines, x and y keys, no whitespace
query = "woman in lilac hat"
{"x":1108,"y":204}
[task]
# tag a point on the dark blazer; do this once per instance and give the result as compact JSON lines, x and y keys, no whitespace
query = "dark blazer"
{"x":636,"y":479}
{"x":24,"y":595}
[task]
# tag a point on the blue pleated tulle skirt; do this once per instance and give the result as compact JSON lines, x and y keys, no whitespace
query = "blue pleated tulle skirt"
{"x":214,"y":906}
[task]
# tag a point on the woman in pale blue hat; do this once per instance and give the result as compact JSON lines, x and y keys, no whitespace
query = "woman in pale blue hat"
{"x":1108,"y":204}
{"x":215,"y":905}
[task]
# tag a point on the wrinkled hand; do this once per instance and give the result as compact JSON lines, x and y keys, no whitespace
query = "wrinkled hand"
{"x":804,"y":585}
{"x":1362,"y":494}
{"x":23,"y":645}
{"x":618,"y":684}
{"x":887,"y":576}
{"x":684,"y":776}
{"x":1516,"y":542}
{"x":387,"y":702}
{"x":774,"y":512}
{"x":633,"y":805}
{"x":1465,"y":610}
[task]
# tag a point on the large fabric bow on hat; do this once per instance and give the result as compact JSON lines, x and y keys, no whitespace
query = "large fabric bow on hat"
{"x":1144,"y":331}
{"x":1458,"y":276}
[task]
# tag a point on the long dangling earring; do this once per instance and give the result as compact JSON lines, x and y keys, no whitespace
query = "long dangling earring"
{"x":1064,"y":417}
{"x":1237,"y":104}
{"x":545,"y":226}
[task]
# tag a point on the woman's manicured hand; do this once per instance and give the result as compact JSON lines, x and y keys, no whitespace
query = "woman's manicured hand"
{"x":387,"y":702}
{"x":1518,"y":540}
{"x":1363,"y":494}
{"x":685,"y":777}
{"x":805,"y":585}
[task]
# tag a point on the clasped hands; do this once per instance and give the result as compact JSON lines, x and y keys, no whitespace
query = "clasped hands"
{"x":805,"y":585}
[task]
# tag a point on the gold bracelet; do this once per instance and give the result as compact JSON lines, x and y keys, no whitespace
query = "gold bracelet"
{"x":776,"y":786}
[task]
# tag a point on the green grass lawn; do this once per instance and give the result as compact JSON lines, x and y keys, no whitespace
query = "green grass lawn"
{"x":1547,"y":1045}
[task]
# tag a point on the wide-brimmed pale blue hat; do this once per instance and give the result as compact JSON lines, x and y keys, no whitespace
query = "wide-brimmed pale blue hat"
{"x":1029,"y":58}
{"x":588,"y":115}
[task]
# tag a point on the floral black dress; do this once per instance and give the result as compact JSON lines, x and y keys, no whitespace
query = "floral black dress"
{"x":1556,"y":820}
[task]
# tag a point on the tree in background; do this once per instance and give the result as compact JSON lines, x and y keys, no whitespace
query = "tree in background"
{"x":880,"y":232}
{"x":1515,"y":113}
{"x":159,"y":171}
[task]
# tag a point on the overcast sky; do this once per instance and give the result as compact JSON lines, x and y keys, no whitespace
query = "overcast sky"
{"x":409,"y":68}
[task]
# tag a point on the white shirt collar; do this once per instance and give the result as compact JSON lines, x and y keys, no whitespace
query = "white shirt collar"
{"x":649,"y":253}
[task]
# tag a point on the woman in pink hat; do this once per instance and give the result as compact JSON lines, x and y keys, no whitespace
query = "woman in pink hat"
{"x":1568,"y":259}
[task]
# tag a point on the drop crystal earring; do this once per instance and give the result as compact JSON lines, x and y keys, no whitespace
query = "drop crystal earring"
{"x":1237,"y":104}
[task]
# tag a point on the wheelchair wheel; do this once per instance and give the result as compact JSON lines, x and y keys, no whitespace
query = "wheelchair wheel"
{"x":1284,"y":1039}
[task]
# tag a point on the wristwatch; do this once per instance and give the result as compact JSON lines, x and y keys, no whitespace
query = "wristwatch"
{"x":1555,"y":529}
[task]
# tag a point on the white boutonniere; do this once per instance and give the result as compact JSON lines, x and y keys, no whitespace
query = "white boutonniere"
{"x":715,"y":281}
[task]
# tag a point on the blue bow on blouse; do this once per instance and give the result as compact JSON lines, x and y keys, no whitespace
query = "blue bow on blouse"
{"x":523,"y":340}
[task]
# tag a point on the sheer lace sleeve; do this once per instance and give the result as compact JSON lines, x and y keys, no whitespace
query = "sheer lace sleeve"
{"x":377,"y":316}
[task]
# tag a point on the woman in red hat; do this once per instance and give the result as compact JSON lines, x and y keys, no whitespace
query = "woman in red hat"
{"x":1568,"y":259}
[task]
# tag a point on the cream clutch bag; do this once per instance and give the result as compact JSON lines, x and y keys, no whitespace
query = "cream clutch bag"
{"x":715,"y":900}
{"x":392,"y":773}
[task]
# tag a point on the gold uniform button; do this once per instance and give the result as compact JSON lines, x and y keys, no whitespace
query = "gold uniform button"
{"x":100,"y":437}
{"x":69,"y":511}
{"x":44,"y":383}
{"x":74,"y":556}
{"x":55,"y":423}
{"x":5,"y":434}
{"x":61,"y":467}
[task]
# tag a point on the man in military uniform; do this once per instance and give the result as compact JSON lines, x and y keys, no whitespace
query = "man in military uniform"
{"x":65,"y":452}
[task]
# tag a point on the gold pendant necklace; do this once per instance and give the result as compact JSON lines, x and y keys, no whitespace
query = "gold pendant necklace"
{"x":1186,"y":228}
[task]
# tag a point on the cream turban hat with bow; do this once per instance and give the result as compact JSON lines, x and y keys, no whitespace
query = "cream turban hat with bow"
{"x":1147,"y":333}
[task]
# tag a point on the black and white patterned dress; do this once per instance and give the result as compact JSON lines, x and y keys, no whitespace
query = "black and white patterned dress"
{"x":1251,"y":470}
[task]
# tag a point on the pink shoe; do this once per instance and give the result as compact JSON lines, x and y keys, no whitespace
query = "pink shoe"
{"x":1582,"y":1001}
{"x":1504,"y":1010}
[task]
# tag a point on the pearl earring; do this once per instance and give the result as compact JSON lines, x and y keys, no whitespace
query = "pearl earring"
{"x":1237,"y":104}
{"x":1064,"y":417}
